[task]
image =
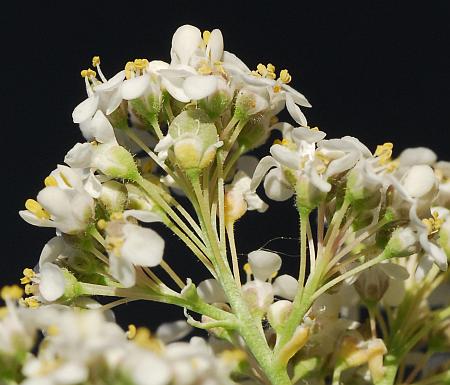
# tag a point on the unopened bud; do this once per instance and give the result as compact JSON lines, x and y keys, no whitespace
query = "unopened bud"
{"x":402,"y":239}
{"x":278,"y":313}
{"x":249,"y":103}
{"x":113,"y":196}
{"x":115,"y":161}
{"x":259,"y":296}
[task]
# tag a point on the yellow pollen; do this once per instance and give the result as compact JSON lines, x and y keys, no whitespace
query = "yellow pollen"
{"x":270,"y":67}
{"x":206,"y":36}
{"x":247,"y":268}
{"x":140,"y":64}
{"x":95,"y":61}
{"x":50,"y":181}
{"x":32,"y":303}
{"x":384,"y":152}
{"x":88,"y":73}
{"x":392,"y":165}
{"x":434,"y":223}
{"x":11,"y":292}
{"x":29,"y":289}
{"x":285,"y":77}
{"x":129,"y":68}
{"x":131,"y":333}
{"x":35,"y":207}
{"x":28,"y":274}
{"x":101,"y":224}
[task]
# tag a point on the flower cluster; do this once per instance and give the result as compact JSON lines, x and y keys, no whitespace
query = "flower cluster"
{"x":169,"y":143}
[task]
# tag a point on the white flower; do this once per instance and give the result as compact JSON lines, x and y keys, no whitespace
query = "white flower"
{"x":211,"y":291}
{"x":130,"y":245}
{"x":264,"y":264}
{"x":68,"y":210}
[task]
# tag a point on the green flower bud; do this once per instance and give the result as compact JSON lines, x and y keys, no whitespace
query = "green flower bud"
{"x":249,"y":103}
{"x":215,"y":104}
{"x":308,"y":196}
{"x":115,"y":161}
{"x":255,"y":132}
{"x":113,"y":196}
{"x":195,"y":139}
{"x":402,"y":239}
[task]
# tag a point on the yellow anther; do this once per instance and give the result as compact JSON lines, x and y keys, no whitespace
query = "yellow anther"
{"x":30,"y":289}
{"x":32,"y":303}
{"x":50,"y":181}
{"x":52,"y":330}
{"x":132,"y":331}
{"x":270,"y":67}
{"x":285,"y":77}
{"x":95,"y":61}
{"x":88,"y":73}
{"x":129,"y":68}
{"x":434,"y":223}
{"x":35,"y":207}
{"x":206,"y":36}
{"x":261,"y":68}
{"x":384,"y":152}
{"x":140,"y":64}
{"x":314,"y":129}
{"x":11,"y":292}
{"x":101,"y":224}
{"x":28,"y":274}
{"x":276,"y":88}
{"x":247,"y":268}
{"x":114,"y":245}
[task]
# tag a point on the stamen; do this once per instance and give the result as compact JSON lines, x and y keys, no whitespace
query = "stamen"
{"x":384,"y":152}
{"x":206,"y":36}
{"x":28,"y":274}
{"x":132,"y":331}
{"x":434,"y":223}
{"x":35,"y":207}
{"x":88,"y":73}
{"x":285,"y":77}
{"x":50,"y":181}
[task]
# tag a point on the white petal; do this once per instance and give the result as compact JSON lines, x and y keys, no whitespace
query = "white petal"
{"x":199,"y":87}
{"x":93,"y":186}
{"x":295,"y":111}
{"x":214,"y":48}
{"x":211,"y":291}
{"x":164,"y":144}
{"x":285,"y":156}
{"x":185,"y":42}
{"x":424,"y":266}
{"x":135,"y":87}
{"x":417,"y":155}
{"x":102,"y":129}
{"x":142,"y":246}
{"x":342,"y":164}
{"x":175,"y":88}
{"x":231,"y":59}
{"x":113,"y":102}
{"x":142,"y":215}
{"x":419,"y":180}
{"x":156,"y":65}
{"x":85,"y":109}
{"x":112,"y":83}
{"x":305,"y":133}
{"x":52,"y":282}
{"x":52,"y":249}
{"x":276,"y":187}
{"x":264,"y":165}
{"x":55,"y":201}
{"x":264,"y":264}
{"x":297,"y":97}
{"x":318,"y":181}
{"x":173,"y":331}
{"x":285,"y":286}
{"x":122,"y":270}
{"x":80,"y":155}
{"x":32,"y":219}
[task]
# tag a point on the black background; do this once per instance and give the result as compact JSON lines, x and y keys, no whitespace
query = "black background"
{"x":377,"y":70}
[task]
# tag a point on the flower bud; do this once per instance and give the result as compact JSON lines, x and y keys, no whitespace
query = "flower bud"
{"x":195,"y":139}
{"x":278,"y":313}
{"x":371,"y":285}
{"x":115,"y":161}
{"x":259,"y":296}
{"x":308,"y":195}
{"x":113,"y":196}
{"x":402,"y":239}
{"x":255,"y":132}
{"x":249,"y":103}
